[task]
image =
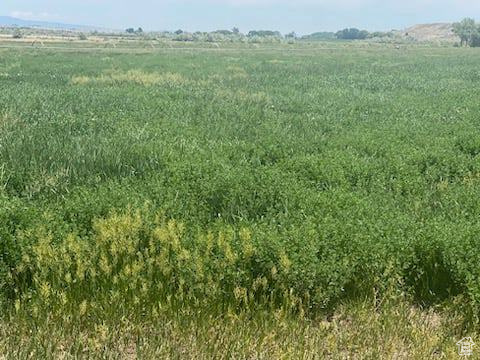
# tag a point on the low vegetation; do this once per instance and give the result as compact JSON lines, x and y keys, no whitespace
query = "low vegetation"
{"x":17,"y":34}
{"x":316,"y":204}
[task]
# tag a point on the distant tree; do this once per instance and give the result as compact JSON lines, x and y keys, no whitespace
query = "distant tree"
{"x":82,"y":37}
{"x":236,"y":30}
{"x":381,"y":34}
{"x":320,"y":36}
{"x":139,"y":30}
{"x":179,"y":32}
{"x":130,"y":31}
{"x":264,"y":33}
{"x":184,"y":36}
{"x":475,"y":39}
{"x":291,"y":35}
{"x":363,"y":34}
{"x":210,"y":38}
{"x":352,"y":34}
{"x":466,"y":30}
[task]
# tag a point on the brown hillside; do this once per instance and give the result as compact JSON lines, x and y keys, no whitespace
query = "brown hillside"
{"x":432,"y":32}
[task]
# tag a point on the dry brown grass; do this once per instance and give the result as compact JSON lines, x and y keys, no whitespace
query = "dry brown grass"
{"x":353,"y":332}
{"x":132,"y":76}
{"x":8,"y":121}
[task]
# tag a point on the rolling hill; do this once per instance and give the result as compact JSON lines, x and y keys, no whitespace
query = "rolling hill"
{"x":431,"y":32}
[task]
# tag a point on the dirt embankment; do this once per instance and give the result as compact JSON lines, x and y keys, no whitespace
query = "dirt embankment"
{"x":431,"y":32}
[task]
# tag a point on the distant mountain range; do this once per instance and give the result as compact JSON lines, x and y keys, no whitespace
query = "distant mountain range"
{"x":8,"y":21}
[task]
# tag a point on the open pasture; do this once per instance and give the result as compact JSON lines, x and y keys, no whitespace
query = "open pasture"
{"x":242,"y":181}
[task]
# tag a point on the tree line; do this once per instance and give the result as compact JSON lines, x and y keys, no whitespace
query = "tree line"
{"x":261,"y":35}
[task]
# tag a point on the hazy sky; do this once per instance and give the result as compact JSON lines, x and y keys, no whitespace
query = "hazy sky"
{"x":302,"y":16}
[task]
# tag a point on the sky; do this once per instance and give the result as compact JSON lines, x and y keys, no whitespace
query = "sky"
{"x":301,"y":16}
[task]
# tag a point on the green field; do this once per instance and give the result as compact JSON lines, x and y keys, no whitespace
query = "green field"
{"x":267,"y":202}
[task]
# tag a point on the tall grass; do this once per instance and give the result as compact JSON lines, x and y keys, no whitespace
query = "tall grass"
{"x":143,"y":185}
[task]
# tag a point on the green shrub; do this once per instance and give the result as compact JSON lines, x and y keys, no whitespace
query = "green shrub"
{"x":17,"y":34}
